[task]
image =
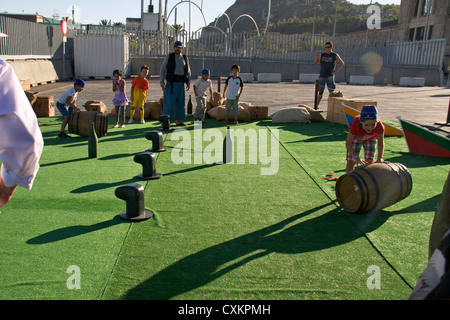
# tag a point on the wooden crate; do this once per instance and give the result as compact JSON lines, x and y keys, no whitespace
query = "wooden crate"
{"x":257,"y":113}
{"x":335,"y":112}
{"x":44,"y":106}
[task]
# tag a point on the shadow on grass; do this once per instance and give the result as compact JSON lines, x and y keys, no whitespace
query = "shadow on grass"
{"x":74,"y":231}
{"x":102,"y":185}
{"x":288,"y":236}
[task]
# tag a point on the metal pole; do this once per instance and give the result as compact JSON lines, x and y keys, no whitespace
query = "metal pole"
{"x":190,"y":24}
{"x":315,"y":95}
{"x":64,"y":60}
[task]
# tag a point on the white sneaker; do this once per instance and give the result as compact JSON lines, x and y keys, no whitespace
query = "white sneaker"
{"x":131,"y":121}
{"x":142,"y":121}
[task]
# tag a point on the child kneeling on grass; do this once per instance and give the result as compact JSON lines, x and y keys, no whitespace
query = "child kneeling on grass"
{"x":367,"y":131}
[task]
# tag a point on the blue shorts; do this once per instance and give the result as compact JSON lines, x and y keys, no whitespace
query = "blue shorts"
{"x":329,"y":82}
{"x":64,"y":109}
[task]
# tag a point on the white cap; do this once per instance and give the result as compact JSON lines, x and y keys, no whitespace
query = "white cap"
{"x":3,"y":35}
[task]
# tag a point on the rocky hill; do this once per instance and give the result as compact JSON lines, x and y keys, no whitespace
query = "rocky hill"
{"x":297,"y":16}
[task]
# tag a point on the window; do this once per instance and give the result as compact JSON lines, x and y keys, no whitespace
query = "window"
{"x":430,"y":32}
{"x":411,"y":34}
{"x":419,"y":33}
{"x":424,"y":8}
{"x":416,"y":9}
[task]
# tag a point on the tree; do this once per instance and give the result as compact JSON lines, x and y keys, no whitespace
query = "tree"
{"x":178,"y":28}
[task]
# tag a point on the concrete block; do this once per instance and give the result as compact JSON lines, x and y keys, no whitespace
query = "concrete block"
{"x":367,"y":80}
{"x":269,"y":77}
{"x":247,"y":77}
{"x":308,"y":77}
{"x":412,"y":82}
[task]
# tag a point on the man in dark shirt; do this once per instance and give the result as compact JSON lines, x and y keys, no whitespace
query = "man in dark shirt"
{"x":328,"y":69}
{"x":174,"y":74}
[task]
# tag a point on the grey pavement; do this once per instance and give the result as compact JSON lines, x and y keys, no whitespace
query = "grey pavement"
{"x":425,"y":105}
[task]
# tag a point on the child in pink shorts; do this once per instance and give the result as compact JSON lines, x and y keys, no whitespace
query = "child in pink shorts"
{"x":368,"y":132}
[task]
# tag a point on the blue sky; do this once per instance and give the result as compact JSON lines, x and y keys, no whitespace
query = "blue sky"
{"x":92,"y":11}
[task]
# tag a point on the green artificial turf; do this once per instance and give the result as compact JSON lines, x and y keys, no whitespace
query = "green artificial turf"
{"x":218,"y":231}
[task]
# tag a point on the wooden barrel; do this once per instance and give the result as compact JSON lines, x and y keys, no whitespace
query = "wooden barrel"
{"x":373,"y":187}
{"x":80,"y":123}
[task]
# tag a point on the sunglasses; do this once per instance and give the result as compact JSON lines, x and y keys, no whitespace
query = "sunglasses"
{"x":326,"y":47}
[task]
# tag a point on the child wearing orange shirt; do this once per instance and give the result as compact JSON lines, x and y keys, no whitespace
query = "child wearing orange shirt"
{"x":139,"y":88}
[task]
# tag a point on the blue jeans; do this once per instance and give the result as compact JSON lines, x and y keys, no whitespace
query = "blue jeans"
{"x":329,"y":82}
{"x":174,"y":101}
{"x":64,"y":109}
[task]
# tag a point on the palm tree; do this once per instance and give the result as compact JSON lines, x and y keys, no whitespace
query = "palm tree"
{"x":178,"y":28}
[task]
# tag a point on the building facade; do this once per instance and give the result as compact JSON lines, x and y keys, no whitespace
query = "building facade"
{"x":424,"y":20}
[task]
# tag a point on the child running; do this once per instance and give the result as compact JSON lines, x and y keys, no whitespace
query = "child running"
{"x":120,"y":100}
{"x":367,"y":131}
{"x":139,"y":88}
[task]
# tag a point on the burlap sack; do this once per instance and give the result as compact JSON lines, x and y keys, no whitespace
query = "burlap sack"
{"x":316,"y":116}
{"x":95,"y":105}
{"x":243,"y":116}
{"x":336,"y":94}
{"x":296,"y":114}
{"x":245,"y":105}
{"x":212,"y":112}
{"x":217,"y":99}
{"x":155,"y":109}
{"x":32,"y":97}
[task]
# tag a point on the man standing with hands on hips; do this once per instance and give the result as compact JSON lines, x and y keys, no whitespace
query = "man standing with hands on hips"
{"x":174,"y":74}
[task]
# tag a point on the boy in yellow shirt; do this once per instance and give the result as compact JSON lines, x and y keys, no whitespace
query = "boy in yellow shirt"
{"x":139,"y":88}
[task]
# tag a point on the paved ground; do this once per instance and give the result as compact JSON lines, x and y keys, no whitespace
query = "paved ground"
{"x":425,"y":105}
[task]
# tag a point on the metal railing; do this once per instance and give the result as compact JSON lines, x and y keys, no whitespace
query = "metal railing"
{"x":295,"y":47}
{"x":27,"y":38}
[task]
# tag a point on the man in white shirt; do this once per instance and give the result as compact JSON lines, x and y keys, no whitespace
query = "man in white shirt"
{"x":21,"y":140}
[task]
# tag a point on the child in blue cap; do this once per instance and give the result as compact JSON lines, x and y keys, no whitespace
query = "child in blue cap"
{"x":200,"y":87}
{"x":367,"y":131}
{"x":67,"y":103}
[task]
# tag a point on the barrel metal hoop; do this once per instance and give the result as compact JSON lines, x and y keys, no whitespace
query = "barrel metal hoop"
{"x":377,"y":189}
{"x":363,"y":187}
{"x":408,"y":179}
{"x":77,"y":118}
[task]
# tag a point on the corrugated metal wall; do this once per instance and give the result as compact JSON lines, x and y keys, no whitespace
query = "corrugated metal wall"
{"x":32,"y":39}
{"x":98,"y":56}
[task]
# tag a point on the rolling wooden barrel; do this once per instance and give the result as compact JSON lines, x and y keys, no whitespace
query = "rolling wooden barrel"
{"x":373,"y":187}
{"x":80,"y":123}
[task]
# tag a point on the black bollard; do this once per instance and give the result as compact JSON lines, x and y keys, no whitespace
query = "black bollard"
{"x":157,"y":140}
{"x":165,"y":120}
{"x":133,"y":194}
{"x":148,"y":161}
